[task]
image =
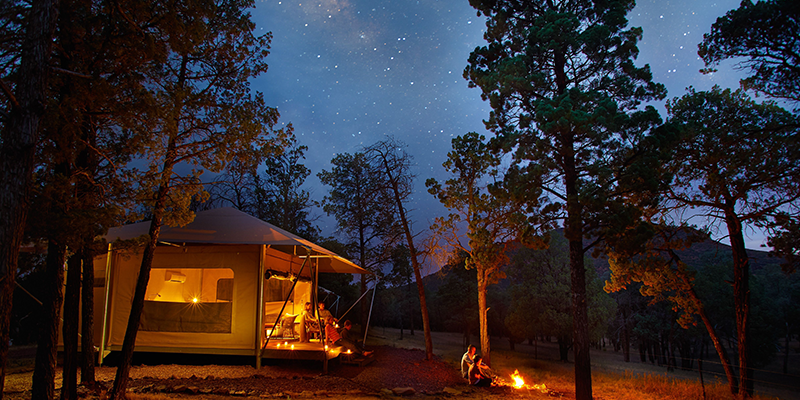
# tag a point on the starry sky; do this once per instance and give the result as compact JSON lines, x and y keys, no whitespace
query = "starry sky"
{"x":349,"y":73}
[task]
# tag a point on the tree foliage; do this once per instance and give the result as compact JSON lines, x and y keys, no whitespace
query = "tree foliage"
{"x":540,"y":295}
{"x":201,"y":113}
{"x":737,"y":162}
{"x":492,"y":223}
{"x":765,"y":34}
{"x":565,"y":97}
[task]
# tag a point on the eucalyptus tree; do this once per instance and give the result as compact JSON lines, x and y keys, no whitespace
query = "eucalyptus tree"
{"x":566,"y":106}
{"x":493,"y":224}
{"x":390,"y":158}
{"x":201,"y":113}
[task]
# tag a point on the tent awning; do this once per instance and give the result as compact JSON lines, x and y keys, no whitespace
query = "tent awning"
{"x":228,"y":225}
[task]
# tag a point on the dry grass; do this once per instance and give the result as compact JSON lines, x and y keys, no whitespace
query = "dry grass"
{"x":611,"y":377}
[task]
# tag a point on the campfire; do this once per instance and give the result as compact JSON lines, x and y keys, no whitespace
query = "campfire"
{"x":517,"y":382}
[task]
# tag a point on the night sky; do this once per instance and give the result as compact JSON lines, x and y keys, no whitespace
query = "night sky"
{"x":347,"y":73}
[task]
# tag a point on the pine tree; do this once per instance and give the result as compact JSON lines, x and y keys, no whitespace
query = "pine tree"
{"x":565,"y":97}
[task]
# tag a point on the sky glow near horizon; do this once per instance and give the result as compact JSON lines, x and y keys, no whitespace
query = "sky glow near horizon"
{"x":349,"y":73}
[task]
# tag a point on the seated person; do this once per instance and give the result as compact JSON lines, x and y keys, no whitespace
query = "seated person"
{"x":347,"y":334}
{"x":308,"y":323}
{"x":324,"y":314}
{"x":477,"y":376}
{"x":467,"y":361}
{"x":335,"y":339}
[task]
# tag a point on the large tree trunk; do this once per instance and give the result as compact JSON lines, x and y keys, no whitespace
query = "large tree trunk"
{"x":574,"y":233}
{"x":87,"y":319}
{"x":69,"y":373}
{"x":129,"y":341}
{"x":17,"y":157}
{"x":741,"y":299}
{"x":712,"y":332}
{"x":486,"y":350}
{"x":44,"y":373}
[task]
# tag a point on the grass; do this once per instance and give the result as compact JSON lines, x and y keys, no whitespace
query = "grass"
{"x":612,"y":378}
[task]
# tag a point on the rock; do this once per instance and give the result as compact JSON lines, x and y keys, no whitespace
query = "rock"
{"x":160,"y":388}
{"x":240,"y":393}
{"x":221,"y":391}
{"x":403,"y":391}
{"x":387,"y":392}
{"x":306,"y":393}
{"x":192,"y":390}
{"x":451,"y":391}
{"x":321,"y":393}
{"x":178,"y":389}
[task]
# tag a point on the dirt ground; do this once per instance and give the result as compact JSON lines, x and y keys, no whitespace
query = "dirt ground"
{"x":392,"y":373}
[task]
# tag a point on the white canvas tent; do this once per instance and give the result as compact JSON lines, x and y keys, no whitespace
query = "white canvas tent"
{"x":217,"y":286}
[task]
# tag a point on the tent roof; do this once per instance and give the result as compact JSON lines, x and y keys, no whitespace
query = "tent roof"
{"x":228,"y":225}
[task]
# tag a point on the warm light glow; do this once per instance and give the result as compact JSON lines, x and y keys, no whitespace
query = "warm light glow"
{"x":292,"y":347}
{"x":326,"y":347}
{"x":285,"y":343}
{"x":348,"y":351}
{"x":518,"y":381}
{"x":278,"y":345}
{"x":195,"y":300}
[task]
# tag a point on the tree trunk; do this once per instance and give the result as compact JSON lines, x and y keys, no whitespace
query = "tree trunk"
{"x":412,"y":250}
{"x":741,"y":299}
{"x":712,"y":333}
{"x":44,"y":373}
{"x":87,"y":319}
{"x":72,"y":295}
{"x":626,"y":336}
{"x":17,"y":156}
{"x":580,"y":317}
{"x":486,"y":350}
{"x":129,"y":342}
{"x":563,"y":348}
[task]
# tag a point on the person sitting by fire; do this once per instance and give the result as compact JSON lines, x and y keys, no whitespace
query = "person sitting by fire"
{"x":467,"y":360}
{"x":478,"y":376}
{"x":336,"y":339}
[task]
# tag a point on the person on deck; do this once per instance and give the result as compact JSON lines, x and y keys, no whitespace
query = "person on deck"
{"x":308,"y":323}
{"x":324,"y":314}
{"x":335,"y":339}
{"x":477,"y":376}
{"x":467,"y":361}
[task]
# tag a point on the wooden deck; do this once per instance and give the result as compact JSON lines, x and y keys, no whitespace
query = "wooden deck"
{"x":287,"y":349}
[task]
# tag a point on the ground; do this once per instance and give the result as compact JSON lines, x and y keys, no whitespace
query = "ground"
{"x":399,"y":362}
{"x":393,"y":368}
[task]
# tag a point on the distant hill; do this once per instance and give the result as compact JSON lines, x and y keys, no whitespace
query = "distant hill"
{"x":705,"y":252}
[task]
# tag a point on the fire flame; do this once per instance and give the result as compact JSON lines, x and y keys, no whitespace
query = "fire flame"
{"x":519,"y":383}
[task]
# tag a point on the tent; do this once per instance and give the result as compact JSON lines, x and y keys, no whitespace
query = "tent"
{"x":219,"y":285}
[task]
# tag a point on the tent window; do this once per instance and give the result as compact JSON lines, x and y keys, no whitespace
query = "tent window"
{"x":276,"y":289}
{"x":190,"y":285}
{"x":189,"y":300}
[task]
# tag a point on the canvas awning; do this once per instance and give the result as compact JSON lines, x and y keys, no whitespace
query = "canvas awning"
{"x":228,"y":225}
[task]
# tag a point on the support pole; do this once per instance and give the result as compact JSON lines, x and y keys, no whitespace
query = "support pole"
{"x":260,"y":307}
{"x":371,"y":303}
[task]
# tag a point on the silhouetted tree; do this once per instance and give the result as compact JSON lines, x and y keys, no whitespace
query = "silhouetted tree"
{"x":565,"y":97}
